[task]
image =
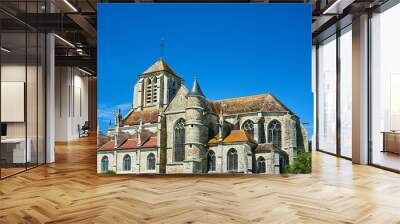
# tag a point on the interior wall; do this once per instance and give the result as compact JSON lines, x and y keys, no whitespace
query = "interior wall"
{"x":71,"y":102}
{"x":16,"y":73}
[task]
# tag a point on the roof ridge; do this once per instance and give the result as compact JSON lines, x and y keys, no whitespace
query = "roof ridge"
{"x":160,"y":65}
{"x":263,"y":99}
{"x":147,"y":138}
{"x":240,"y":97}
{"x":283,"y":105}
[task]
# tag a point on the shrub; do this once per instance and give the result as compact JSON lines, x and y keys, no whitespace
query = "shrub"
{"x":301,"y":164}
{"x":109,"y":172}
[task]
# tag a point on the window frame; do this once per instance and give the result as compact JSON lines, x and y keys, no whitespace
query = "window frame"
{"x":336,"y":36}
{"x":272,"y":130}
{"x":248,"y":127}
{"x":151,"y":161}
{"x":181,"y":153}
{"x":104,"y":160}
{"x":127,"y":166}
{"x":211,"y":161}
{"x":261,"y":159}
{"x":232,"y":160}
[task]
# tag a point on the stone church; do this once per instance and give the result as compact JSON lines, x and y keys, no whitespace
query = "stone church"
{"x":173,"y":129}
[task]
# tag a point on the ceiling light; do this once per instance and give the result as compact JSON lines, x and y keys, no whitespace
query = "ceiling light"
{"x":70,"y":5}
{"x":338,"y":6}
{"x":333,"y":6}
{"x":65,"y":41}
{"x":5,"y":50}
{"x":84,"y":71}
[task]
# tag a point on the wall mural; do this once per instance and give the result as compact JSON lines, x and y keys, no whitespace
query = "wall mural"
{"x":219,"y":113}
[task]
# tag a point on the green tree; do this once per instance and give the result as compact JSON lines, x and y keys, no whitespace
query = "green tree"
{"x":301,"y":164}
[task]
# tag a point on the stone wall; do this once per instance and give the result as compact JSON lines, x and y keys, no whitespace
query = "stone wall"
{"x":138,"y":160}
{"x":221,"y":157}
{"x":142,"y":160}
{"x":171,"y":165}
{"x":271,"y":163}
{"x":120,"y":161}
{"x":111,"y":160}
{"x":202,"y":124}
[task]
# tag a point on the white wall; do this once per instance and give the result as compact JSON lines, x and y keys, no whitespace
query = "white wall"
{"x":33,"y":126}
{"x":12,"y":73}
{"x":71,"y":102}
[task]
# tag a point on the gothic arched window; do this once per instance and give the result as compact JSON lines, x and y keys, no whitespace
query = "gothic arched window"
{"x":275,"y":133}
{"x":179,"y":140}
{"x":151,"y":162}
{"x":261,"y":164}
{"x":232,"y":160}
{"x":211,"y":161}
{"x":248,"y":127}
{"x":126,"y":163}
{"x":104,"y":164}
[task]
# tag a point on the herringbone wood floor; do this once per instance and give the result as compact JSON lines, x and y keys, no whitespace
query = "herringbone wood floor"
{"x":69,"y":191}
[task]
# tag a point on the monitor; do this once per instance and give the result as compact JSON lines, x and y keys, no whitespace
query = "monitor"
{"x":3,"y":129}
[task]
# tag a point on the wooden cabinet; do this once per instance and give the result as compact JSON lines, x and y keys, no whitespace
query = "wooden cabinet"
{"x":391,"y":142}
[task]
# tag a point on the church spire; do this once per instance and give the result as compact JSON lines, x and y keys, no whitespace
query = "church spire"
{"x":118,"y":119}
{"x":196,"y":90}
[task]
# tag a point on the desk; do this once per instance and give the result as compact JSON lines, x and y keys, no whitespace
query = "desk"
{"x":13,"y":150}
{"x":391,"y":142}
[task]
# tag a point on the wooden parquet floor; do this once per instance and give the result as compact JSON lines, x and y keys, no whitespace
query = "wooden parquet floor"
{"x":70,"y":191}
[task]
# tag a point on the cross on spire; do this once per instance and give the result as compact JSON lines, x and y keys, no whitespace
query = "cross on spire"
{"x":162,"y":48}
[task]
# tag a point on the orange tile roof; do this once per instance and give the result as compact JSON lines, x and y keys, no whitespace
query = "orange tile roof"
{"x":257,"y":103}
{"x":108,"y":146}
{"x":147,"y":116}
{"x":150,"y":143}
{"x":214,"y":140}
{"x":129,"y":144}
{"x":234,"y":136}
{"x":267,"y":147}
{"x":132,"y":143}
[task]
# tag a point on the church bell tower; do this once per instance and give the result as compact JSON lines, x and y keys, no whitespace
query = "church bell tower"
{"x":155,"y":87}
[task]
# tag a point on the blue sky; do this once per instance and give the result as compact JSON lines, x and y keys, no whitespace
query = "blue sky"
{"x":232,"y":49}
